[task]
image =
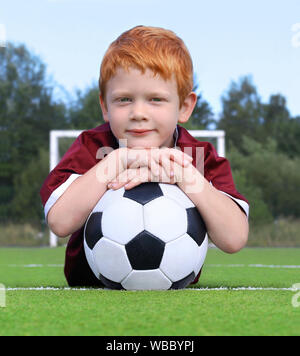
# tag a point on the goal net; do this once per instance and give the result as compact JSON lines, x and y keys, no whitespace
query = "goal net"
{"x":60,"y":140}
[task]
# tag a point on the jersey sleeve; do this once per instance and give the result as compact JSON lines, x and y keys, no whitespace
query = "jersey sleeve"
{"x":218,"y":172}
{"x":76,"y":161}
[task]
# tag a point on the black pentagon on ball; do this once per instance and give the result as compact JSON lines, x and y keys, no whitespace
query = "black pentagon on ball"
{"x":144,"y":193}
{"x":184,"y":282}
{"x":110,"y":284}
{"x":145,"y":251}
{"x":196,"y":226}
{"x":93,"y":229}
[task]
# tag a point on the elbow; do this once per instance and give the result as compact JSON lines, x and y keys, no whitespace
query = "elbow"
{"x":59,"y":231}
{"x":235,"y":245}
{"x":58,"y":228}
{"x":239,"y":239}
{"x":234,"y":248}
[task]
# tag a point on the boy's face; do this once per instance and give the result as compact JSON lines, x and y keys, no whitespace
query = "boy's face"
{"x":143,"y":108}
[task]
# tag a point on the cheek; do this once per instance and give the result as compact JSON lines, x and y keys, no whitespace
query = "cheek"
{"x":116,"y":115}
{"x":169,"y":118}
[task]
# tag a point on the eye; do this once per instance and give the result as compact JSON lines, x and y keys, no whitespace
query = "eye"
{"x":157,"y":100}
{"x":124,"y":100}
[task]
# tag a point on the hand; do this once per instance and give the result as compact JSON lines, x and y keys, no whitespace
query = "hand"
{"x":156,"y":158}
{"x":158,"y":161}
{"x":188,"y":178}
{"x":171,"y":173}
{"x":133,"y":177}
{"x":111,"y":166}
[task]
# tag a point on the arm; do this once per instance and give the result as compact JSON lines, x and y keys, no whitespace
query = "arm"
{"x":72,"y":209}
{"x":226,"y":224}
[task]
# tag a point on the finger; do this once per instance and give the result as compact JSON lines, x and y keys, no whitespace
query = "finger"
{"x":187,"y":155}
{"x":167,"y":166}
{"x":135,"y":159}
{"x":132,"y":184}
{"x":154,"y":167}
{"x":181,"y":158}
{"x":143,"y":175}
{"x":178,"y":156}
{"x":122,"y":179}
{"x":178,"y":172}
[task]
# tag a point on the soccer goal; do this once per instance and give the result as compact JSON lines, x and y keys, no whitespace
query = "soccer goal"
{"x":55,"y":155}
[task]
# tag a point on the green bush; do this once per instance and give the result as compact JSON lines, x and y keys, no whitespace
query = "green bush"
{"x":268,"y":177}
{"x":26,"y":205}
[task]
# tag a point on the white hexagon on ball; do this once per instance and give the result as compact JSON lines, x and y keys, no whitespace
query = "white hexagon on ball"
{"x":165,"y":218}
{"x":107,"y":199}
{"x":173,"y":192}
{"x":122,"y":220}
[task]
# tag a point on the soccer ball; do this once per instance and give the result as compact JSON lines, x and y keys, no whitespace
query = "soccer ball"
{"x":148,"y":237}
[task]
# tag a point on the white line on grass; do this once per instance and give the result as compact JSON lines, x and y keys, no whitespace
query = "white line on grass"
{"x":36,"y":265}
{"x":205,"y":289}
{"x":206,"y":265}
{"x":253,"y":265}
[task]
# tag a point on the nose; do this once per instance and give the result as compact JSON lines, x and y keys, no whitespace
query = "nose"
{"x":138,"y":111}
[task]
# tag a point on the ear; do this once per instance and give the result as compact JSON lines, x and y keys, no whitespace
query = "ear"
{"x":187,"y":107}
{"x":103,"y":108}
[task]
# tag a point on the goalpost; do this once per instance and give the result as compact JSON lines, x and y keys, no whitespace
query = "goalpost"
{"x":55,"y":135}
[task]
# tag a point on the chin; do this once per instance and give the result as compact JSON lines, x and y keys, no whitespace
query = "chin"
{"x":142,"y":144}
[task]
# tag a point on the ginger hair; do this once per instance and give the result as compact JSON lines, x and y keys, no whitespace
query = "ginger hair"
{"x":154,"y":48}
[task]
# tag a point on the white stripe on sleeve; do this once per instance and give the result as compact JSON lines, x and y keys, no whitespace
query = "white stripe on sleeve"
{"x":58,"y":192}
{"x":240,"y":202}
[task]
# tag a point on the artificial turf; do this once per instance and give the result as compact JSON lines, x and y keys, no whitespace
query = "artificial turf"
{"x":193,"y":311}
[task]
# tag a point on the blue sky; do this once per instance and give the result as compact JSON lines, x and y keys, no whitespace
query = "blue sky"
{"x":227,"y":39}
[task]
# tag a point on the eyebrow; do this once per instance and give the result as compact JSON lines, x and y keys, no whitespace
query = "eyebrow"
{"x":117,"y":94}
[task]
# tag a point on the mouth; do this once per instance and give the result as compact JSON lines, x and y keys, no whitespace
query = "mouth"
{"x":139,"y":132}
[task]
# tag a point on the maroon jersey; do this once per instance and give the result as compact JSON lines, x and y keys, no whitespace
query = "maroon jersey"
{"x":87,"y":150}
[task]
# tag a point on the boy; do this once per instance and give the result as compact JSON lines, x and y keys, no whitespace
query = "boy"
{"x":146,"y":81}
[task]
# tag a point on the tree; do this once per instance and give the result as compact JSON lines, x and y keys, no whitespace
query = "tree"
{"x":273,"y":173}
{"x":27,"y":113}
{"x":26,"y":203}
{"x":202,"y":116}
{"x":242,"y":113}
{"x":85,"y":112}
{"x":281,"y":126}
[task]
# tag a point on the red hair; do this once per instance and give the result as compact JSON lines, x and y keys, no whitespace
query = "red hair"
{"x":151,"y":48}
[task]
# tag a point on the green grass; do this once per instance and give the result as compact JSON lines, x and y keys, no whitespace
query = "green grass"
{"x":184,"y":312}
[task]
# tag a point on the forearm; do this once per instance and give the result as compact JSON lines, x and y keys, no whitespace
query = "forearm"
{"x":72,"y":209}
{"x":226,"y":224}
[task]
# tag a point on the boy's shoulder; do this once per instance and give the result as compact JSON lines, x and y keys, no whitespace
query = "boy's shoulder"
{"x":185,"y":139}
{"x":99,"y":136}
{"x":98,"y":132}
